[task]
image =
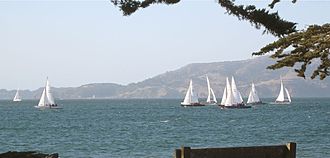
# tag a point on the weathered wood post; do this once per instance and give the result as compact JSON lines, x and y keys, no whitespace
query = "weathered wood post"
{"x":177,"y":153}
{"x":292,"y":149}
{"x":185,"y":152}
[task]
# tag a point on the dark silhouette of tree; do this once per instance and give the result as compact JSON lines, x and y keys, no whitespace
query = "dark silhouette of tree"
{"x":293,"y":48}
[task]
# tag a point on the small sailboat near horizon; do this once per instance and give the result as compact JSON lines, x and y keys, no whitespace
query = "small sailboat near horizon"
{"x":191,"y":99}
{"x":211,"y":99}
{"x":232,"y":98}
{"x":47,"y":99}
{"x":17,"y":97}
{"x":281,"y":96}
{"x":253,"y":96}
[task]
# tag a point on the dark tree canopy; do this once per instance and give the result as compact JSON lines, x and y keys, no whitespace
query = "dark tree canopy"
{"x":294,"y":47}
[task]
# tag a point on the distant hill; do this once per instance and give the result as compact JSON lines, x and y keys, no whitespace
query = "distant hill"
{"x":173,"y":84}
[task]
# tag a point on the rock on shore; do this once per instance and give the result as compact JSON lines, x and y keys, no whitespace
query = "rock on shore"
{"x":27,"y":154}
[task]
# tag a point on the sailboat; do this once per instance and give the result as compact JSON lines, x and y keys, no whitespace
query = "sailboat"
{"x":232,"y":98}
{"x":46,"y":99}
{"x":17,"y":97}
{"x":281,"y":96}
{"x":191,"y":99}
{"x":253,"y":96}
{"x":211,"y":99}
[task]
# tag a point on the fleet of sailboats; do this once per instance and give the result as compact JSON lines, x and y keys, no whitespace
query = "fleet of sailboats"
{"x":231,"y":97}
{"x":17,"y":97}
{"x":46,"y":99}
{"x":281,"y":96}
{"x":191,"y":99}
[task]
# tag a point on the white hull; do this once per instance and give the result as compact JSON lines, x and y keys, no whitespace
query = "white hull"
{"x":211,"y":103}
{"x":282,"y":102}
{"x":256,"y":103}
{"x":17,"y":100}
{"x":47,"y":107}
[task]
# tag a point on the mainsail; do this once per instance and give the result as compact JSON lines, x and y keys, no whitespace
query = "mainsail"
{"x":253,"y":96}
{"x":237,"y":95}
{"x":210,"y":92}
{"x":213,"y":95}
{"x":280,"y":97}
{"x":224,"y":96}
{"x":230,"y":100}
{"x":49,"y":94}
{"x":43,"y":99}
{"x":288,"y":95}
{"x":17,"y":97}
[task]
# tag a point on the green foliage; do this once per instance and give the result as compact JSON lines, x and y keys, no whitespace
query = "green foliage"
{"x":130,"y":6}
{"x":303,"y":47}
{"x":257,"y":17}
{"x":271,"y":5}
{"x":260,"y":17}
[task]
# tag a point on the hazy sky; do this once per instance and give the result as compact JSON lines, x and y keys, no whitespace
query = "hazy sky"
{"x":79,"y":42}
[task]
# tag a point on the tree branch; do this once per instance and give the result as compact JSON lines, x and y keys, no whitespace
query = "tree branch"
{"x":302,"y":47}
{"x":260,"y":17}
{"x":130,"y":6}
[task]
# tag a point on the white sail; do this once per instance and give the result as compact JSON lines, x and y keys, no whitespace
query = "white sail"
{"x":240,"y":97}
{"x":236,"y":94}
{"x":230,"y":101}
{"x":43,"y":99}
{"x":253,"y":96}
{"x":288,"y":95}
{"x":190,"y":96}
{"x":49,"y":94}
{"x":194,"y":98}
{"x":250,"y":99}
{"x":17,"y":97}
{"x":224,"y":96}
{"x":280,"y":97}
{"x":213,"y":95}
{"x":210,"y":92}
{"x":187,"y":98}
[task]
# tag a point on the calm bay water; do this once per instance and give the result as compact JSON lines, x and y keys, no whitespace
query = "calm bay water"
{"x":154,"y":128}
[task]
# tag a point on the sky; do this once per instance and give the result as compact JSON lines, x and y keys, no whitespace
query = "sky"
{"x":79,"y":42}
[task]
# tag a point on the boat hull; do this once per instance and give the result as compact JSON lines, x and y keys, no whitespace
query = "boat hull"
{"x":193,"y":104}
{"x":239,"y":106}
{"x":282,"y":102}
{"x":48,"y":107}
{"x":256,"y":103}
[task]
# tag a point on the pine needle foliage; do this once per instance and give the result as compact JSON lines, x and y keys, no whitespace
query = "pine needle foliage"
{"x":302,"y":47}
{"x":130,"y":6}
{"x":260,"y":17}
